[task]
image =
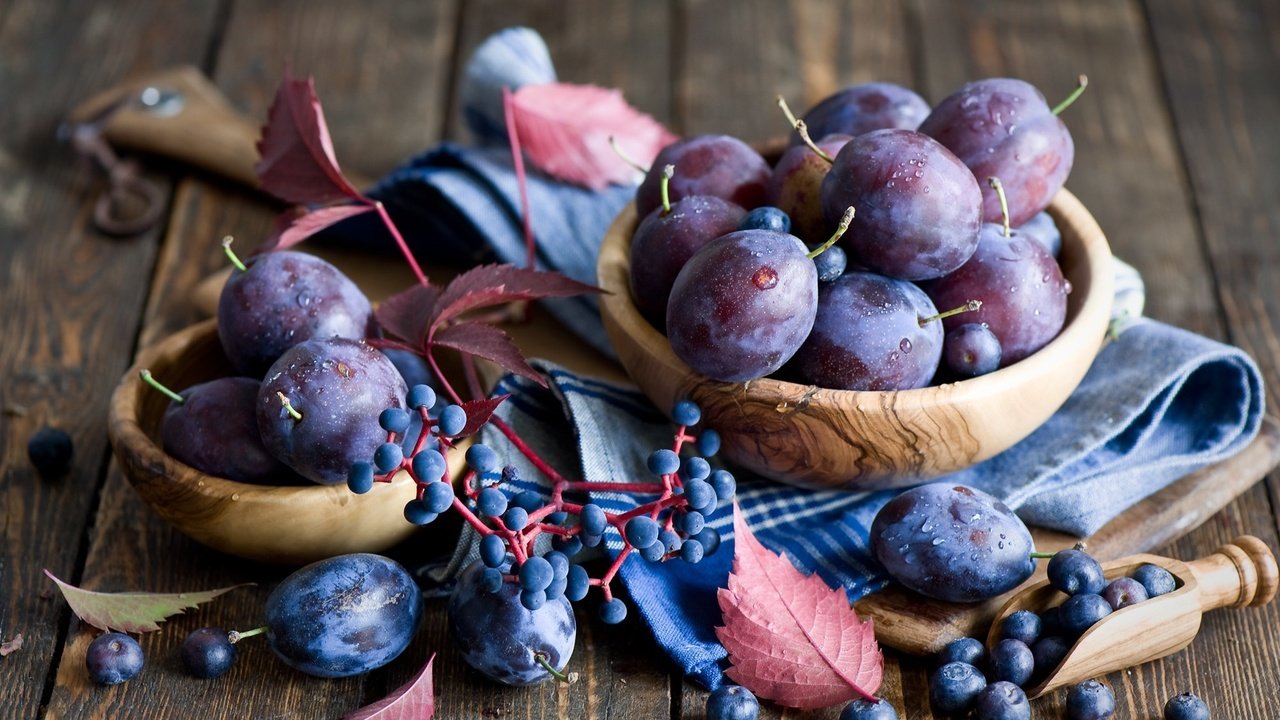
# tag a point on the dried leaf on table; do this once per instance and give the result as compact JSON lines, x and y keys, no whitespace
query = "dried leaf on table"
{"x":134,"y":612}
{"x":415,"y":700}
{"x":565,"y":129}
{"x":791,"y":638}
{"x":297,"y":163}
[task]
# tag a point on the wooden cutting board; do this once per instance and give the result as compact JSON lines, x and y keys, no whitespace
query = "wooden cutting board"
{"x":209,"y":133}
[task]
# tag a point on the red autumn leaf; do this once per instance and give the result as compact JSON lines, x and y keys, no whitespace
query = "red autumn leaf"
{"x":486,"y":341}
{"x":791,"y":638}
{"x":297,"y":163}
{"x":291,"y":228}
{"x":489,"y":285}
{"x":415,"y":700}
{"x":479,"y":412}
{"x":407,"y":314}
{"x":565,"y":130}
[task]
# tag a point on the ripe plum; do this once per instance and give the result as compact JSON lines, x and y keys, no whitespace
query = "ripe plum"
{"x":215,"y":430}
{"x":796,"y":187}
{"x":860,"y":109}
{"x":717,"y":165}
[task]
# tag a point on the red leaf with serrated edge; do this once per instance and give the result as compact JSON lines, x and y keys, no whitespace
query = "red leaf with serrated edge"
{"x":488,"y":342}
{"x":297,"y":163}
{"x":292,"y":228}
{"x":791,"y":638}
{"x":407,"y":314}
{"x":488,"y":285}
{"x":415,"y":700}
{"x":565,"y":129}
{"x":479,"y":412}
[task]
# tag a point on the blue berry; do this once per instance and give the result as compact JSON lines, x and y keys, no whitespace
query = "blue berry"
{"x":965,"y":650}
{"x":1079,"y":613}
{"x":971,"y":350}
{"x":493,"y":551}
{"x":50,"y":450}
{"x":613,"y":612}
{"x":708,"y":442}
{"x":421,"y":396}
{"x":593,"y":521}
{"x":692,"y":552}
{"x":429,"y":465}
{"x":481,"y":458}
{"x":1011,"y":660}
{"x":491,"y":502}
{"x":394,"y":420}
{"x":954,"y":686}
{"x":360,"y":478}
{"x":417,"y":513}
{"x":670,"y":540}
{"x":1002,"y":700}
{"x":510,"y":474}
{"x":653,"y":553}
{"x":515,"y":518}
{"x":559,"y":563}
{"x":863,"y":709}
{"x":766,"y":217}
{"x":556,"y":588}
{"x":528,"y":499}
{"x":1051,"y":622}
{"x":577,"y":583}
{"x":732,"y":702}
{"x":1185,"y":706}
{"x":1075,"y":572}
{"x":533,"y":599}
{"x":439,"y":496}
{"x":709,"y":539}
{"x":1155,"y":579}
{"x":491,"y":580}
{"x":589,"y":540}
{"x":453,"y":419}
{"x":831,"y":264}
{"x":558,"y":517}
{"x":641,"y":531}
{"x":663,"y":462}
{"x":697,"y":468}
{"x":691,"y":523}
{"x":1022,"y":625}
{"x":113,"y":658}
{"x":686,"y":413}
{"x":700,"y":495}
{"x":208,"y":653}
{"x":388,"y":457}
{"x":1048,"y":652}
{"x":570,"y":545}
{"x":1123,"y":592}
{"x":725,"y":485}
{"x":1090,"y":700}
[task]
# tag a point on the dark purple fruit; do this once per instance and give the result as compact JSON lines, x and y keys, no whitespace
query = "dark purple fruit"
{"x":208,"y":653}
{"x":971,"y":350}
{"x":860,"y":109}
{"x":50,"y":450}
{"x":796,"y":187}
{"x":1043,"y":230}
{"x":717,"y":165}
{"x":343,"y":616}
{"x":732,"y":702}
{"x":215,"y":431}
{"x":113,"y":658}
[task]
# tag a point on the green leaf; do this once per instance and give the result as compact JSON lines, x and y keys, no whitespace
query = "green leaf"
{"x":134,"y":612}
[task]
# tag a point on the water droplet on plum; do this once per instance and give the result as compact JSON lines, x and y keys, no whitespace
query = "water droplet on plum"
{"x":766,"y":278}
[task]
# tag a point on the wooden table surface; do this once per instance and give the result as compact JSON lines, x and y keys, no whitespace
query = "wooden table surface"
{"x":1177,"y":157}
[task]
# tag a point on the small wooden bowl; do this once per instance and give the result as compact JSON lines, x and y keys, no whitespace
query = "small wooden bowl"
{"x":842,"y":439}
{"x":280,"y":524}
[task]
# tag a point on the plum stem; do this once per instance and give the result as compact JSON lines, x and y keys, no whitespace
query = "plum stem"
{"x":231,"y":254}
{"x":971,"y":306}
{"x":236,"y":636}
{"x":1081,"y":84}
{"x":664,"y":186}
{"x":288,"y":406}
{"x":996,"y":185}
{"x":150,"y":380}
{"x":544,"y":660}
{"x":803,"y":130}
{"x":845,"y":221}
{"x":617,"y":149}
{"x":1041,"y":555}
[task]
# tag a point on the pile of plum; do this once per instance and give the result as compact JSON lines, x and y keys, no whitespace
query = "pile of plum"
{"x":735,"y":260}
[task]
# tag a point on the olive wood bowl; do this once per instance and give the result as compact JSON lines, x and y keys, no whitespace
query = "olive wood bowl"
{"x":842,"y":439}
{"x":289,"y":524}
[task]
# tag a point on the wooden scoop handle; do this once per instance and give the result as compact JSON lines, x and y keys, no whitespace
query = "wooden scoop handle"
{"x":1239,"y":574}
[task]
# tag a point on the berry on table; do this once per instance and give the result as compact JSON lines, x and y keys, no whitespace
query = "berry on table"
{"x":1090,"y":700}
{"x":113,"y":658}
{"x":863,"y":709}
{"x":1022,"y":625}
{"x":1186,"y":706}
{"x":208,"y":652}
{"x":613,"y":612}
{"x":50,"y":451}
{"x":966,"y":650}
{"x":1002,"y":700}
{"x":732,"y":702}
{"x":954,"y":687}
{"x":1011,"y":660}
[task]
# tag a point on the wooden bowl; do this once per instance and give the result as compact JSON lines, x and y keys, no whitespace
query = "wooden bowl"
{"x":293,"y":524}
{"x":843,"y":439}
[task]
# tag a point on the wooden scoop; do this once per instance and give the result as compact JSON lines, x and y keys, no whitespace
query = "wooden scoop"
{"x":1240,"y":574}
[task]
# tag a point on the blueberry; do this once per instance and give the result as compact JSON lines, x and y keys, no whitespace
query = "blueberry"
{"x":732,"y":702}
{"x":670,"y":540}
{"x":493,"y":551}
{"x":528,"y":499}
{"x":613,"y":611}
{"x":589,"y":540}
{"x":766,"y":217}
{"x":1075,"y":572}
{"x":113,"y":658}
{"x":1090,"y":700}
{"x":1002,"y":700}
{"x":388,"y":457}
{"x":556,"y":588}
{"x":709,"y":539}
{"x":1022,"y":625}
{"x":708,"y":442}
{"x":966,"y":650}
{"x":421,"y":396}
{"x":394,"y":420}
{"x":439,"y":496}
{"x":653,"y":553}
{"x":453,"y":420}
{"x":831,"y":263}
{"x":1079,"y":613}
{"x":1047,"y":652}
{"x":700,"y":495}
{"x":954,"y":686}
{"x":663,"y":462}
{"x":360,"y":478}
{"x":491,"y":580}
{"x":578,"y":582}
{"x":1011,"y":660}
{"x":429,"y":465}
{"x":686,"y":413}
{"x":641,"y":531}
{"x":208,"y":653}
{"x":1123,"y":592}
{"x":533,"y":599}
{"x":1051,"y":622}
{"x":491,"y":502}
{"x":725,"y":485}
{"x":416,"y":512}
{"x":593,"y":520}
{"x":691,"y":523}
{"x":1155,"y":579}
{"x":50,"y":451}
{"x":515,"y":518}
{"x":570,"y":545}
{"x":862,"y":709}
{"x":482,"y":458}
{"x":692,"y":553}
{"x":1185,"y":706}
{"x":697,"y":468}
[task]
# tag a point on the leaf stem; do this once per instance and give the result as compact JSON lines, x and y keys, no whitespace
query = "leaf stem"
{"x":148,"y":379}
{"x":517,"y":160}
{"x":404,"y":246}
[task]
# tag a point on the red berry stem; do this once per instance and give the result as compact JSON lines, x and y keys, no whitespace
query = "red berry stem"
{"x":404,"y":246}
{"x":517,"y":159}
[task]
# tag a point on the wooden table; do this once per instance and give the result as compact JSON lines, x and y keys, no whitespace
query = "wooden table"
{"x":1177,"y":156}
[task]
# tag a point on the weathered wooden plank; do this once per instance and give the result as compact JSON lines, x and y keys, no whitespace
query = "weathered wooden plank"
{"x":69,"y":294}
